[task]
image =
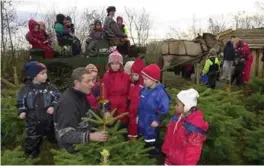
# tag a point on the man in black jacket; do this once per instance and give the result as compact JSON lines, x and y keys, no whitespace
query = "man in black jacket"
{"x":229,"y":57}
{"x":71,"y":107}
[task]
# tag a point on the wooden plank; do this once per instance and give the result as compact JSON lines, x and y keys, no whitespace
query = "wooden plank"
{"x":260,"y":64}
{"x":253,"y":66}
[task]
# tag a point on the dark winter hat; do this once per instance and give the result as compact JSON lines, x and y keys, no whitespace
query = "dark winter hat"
{"x":68,"y":18}
{"x":32,"y":68}
{"x":111,"y":9}
{"x":152,"y":72}
{"x":60,"y":18}
{"x":97,"y":22}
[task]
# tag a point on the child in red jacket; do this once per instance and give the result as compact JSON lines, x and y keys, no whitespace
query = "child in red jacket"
{"x":94,"y":96}
{"x":186,"y":132}
{"x":134,"y":95}
{"x":116,"y":84}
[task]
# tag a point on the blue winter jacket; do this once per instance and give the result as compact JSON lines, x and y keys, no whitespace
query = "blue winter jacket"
{"x":153,"y":105}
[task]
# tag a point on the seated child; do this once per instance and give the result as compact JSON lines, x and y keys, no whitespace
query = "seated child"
{"x":35,"y":102}
{"x":63,"y":35}
{"x":37,"y":39}
{"x":95,"y":35}
{"x":186,"y":131}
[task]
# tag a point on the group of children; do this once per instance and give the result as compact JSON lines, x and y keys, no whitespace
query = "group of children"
{"x":138,"y":92}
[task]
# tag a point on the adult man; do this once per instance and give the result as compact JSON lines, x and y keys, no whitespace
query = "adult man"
{"x":71,"y":107}
{"x":229,"y":57}
{"x":110,"y":26}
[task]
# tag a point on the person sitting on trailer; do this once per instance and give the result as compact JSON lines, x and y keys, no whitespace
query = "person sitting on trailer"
{"x":95,"y":35}
{"x":110,"y":26}
{"x":64,"y":35}
{"x":124,"y":48}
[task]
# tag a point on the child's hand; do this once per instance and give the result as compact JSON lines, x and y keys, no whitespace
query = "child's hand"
{"x":154,"y":124}
{"x":50,"y":110}
{"x":22,"y":115}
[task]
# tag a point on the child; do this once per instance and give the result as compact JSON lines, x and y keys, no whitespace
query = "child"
{"x":128,"y":66}
{"x":61,"y":32}
{"x":95,"y":35}
{"x":154,"y":103}
{"x":134,"y":91}
{"x":186,"y":131}
{"x":238,"y":73}
{"x":38,"y":39}
{"x":94,"y":96}
{"x":211,"y":68}
{"x":116,"y":84}
{"x":47,"y":36}
{"x":35,"y":102}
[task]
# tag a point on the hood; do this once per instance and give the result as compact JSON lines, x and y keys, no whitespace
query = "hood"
{"x":196,"y":118}
{"x":31,"y":24}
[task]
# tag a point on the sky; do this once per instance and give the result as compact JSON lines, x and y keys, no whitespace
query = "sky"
{"x":166,"y":14}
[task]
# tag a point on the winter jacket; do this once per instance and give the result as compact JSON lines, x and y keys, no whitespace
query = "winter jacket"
{"x":229,"y":52}
{"x":36,"y":39}
{"x":244,"y":52}
{"x":116,"y":91}
{"x":69,"y":126}
{"x":124,"y":29}
{"x":211,"y":65}
{"x":111,"y":28}
{"x":93,"y":97}
{"x":183,"y":141}
{"x":240,"y":65}
{"x":35,"y":99}
{"x":153,"y":106}
{"x":134,"y":96}
{"x":96,"y":35}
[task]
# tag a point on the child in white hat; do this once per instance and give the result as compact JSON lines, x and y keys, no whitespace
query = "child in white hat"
{"x":186,"y":131}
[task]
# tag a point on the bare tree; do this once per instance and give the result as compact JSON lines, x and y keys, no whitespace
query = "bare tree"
{"x":216,"y":26}
{"x":139,"y":23}
{"x":245,"y":21}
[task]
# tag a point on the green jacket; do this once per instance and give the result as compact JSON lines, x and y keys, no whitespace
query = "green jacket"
{"x":209,"y":63}
{"x":59,"y":28}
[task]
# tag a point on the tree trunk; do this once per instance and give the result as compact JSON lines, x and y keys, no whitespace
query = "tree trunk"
{"x":2,"y":29}
{"x":10,"y":38}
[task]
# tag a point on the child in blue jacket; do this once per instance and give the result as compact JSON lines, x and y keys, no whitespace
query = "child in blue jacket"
{"x":153,"y":105}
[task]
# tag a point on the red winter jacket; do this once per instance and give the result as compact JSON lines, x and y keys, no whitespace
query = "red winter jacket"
{"x":116,"y":91}
{"x":134,"y":96}
{"x":93,"y":97}
{"x":36,"y":39}
{"x":184,"y":145}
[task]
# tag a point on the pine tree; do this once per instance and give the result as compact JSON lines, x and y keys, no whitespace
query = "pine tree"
{"x":16,"y":157}
{"x":116,"y":150}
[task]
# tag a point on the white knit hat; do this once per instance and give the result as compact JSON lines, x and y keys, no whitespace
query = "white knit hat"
{"x":188,"y":98}
{"x":128,"y":66}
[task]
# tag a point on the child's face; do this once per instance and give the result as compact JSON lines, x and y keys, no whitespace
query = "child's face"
{"x":94,"y":74}
{"x":148,"y":82}
{"x":119,"y":22}
{"x":36,"y":28}
{"x":134,"y":77}
{"x":42,"y":27}
{"x":67,"y":22}
{"x":42,"y":76}
{"x":97,"y":26}
{"x":179,"y":107}
{"x":115,"y":66}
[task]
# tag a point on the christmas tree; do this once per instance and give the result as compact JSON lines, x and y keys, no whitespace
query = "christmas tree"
{"x":115,"y":151}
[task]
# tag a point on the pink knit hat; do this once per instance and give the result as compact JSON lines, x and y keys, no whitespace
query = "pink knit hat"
{"x":115,"y":57}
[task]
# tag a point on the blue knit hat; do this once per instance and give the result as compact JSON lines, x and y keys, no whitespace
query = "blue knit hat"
{"x":32,"y":68}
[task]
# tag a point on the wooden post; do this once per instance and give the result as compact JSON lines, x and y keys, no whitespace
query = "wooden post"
{"x":260,"y":64}
{"x":253,"y":66}
{"x":197,"y":73}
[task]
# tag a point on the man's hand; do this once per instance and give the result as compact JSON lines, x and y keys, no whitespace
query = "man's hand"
{"x":99,"y":136}
{"x":154,"y":124}
{"x":22,"y":115}
{"x":50,"y":110}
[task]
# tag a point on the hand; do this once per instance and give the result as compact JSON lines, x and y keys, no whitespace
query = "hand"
{"x":99,"y":136}
{"x":22,"y":115}
{"x":154,"y":124}
{"x":50,"y":110}
{"x":46,"y":41}
{"x":107,"y":115}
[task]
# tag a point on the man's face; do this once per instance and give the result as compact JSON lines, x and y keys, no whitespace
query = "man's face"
{"x":86,"y":84}
{"x":112,"y":13}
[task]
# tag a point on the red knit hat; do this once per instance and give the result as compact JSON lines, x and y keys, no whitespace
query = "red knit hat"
{"x":115,"y":57}
{"x":152,"y":72}
{"x":137,"y":66}
{"x":91,"y":68}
